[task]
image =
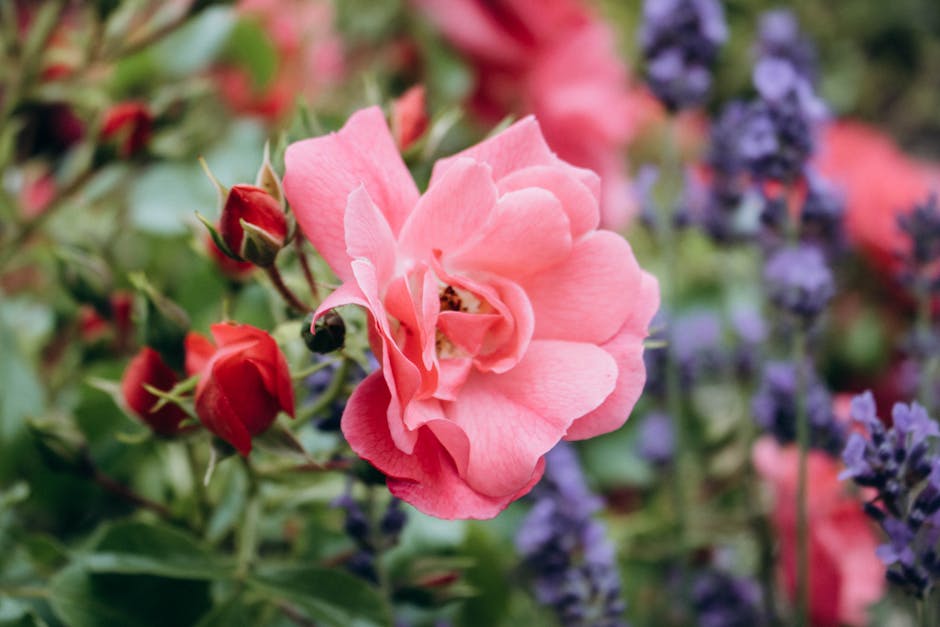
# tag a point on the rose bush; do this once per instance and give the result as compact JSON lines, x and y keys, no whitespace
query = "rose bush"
{"x":244,"y":382}
{"x":503,"y":319}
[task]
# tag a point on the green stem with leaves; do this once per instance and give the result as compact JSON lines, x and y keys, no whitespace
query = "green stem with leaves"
{"x":248,"y":534}
{"x":925,"y":392}
{"x":802,"y":505}
{"x":683,"y":468}
{"x":286,"y":293}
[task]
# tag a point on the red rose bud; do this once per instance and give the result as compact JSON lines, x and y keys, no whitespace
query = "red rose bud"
{"x":147,"y":367}
{"x":128,"y":125}
{"x":243,"y":382}
{"x":122,"y":312}
{"x":92,"y":327}
{"x":230,"y":268}
{"x":409,"y":117}
{"x":253,"y":225}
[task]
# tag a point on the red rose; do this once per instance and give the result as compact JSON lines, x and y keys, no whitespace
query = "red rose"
{"x":129,"y":125}
{"x":253,"y":224}
{"x":148,"y":367}
{"x":244,"y":382}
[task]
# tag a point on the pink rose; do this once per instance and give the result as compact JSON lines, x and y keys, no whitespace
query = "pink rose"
{"x":845,"y":574}
{"x":503,"y":320}
{"x":558,"y":61}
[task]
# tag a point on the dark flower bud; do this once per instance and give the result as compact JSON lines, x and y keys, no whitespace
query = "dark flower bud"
{"x":394,"y":519}
{"x":362,"y":564}
{"x":324,"y":335}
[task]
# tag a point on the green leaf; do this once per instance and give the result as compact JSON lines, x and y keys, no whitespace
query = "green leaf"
{"x":45,"y":552}
{"x":132,"y":547}
{"x":83,"y":599}
{"x":235,"y":611}
{"x":231,"y":507}
{"x":487,"y":576}
{"x":196,"y":45}
{"x":280,"y":440}
{"x":17,"y":614}
{"x":328,"y":596}
{"x":250,"y":47}
{"x":21,"y":396}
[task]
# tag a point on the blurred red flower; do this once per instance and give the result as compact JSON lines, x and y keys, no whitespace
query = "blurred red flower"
{"x":845,"y":574}
{"x":880,"y":183}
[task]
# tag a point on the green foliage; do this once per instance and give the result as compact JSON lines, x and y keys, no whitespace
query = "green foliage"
{"x":326,"y":595}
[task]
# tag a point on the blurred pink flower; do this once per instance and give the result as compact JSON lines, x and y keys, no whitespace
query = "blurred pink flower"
{"x":39,"y":189}
{"x":310,"y":57}
{"x":845,"y":574}
{"x":558,"y":61}
{"x":409,"y":117}
{"x":880,"y":183}
{"x":503,"y":320}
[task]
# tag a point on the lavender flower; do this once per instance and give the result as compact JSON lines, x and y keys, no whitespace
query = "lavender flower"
{"x":728,"y":188}
{"x":902,"y":464}
{"x":723,"y":600}
{"x":750,"y":332}
{"x":822,"y":215}
{"x":565,"y":549}
{"x":680,"y":41}
{"x":656,"y":441}
{"x":775,"y":408}
{"x":695,"y":341}
{"x":922,"y":228}
{"x":799,"y":282}
{"x":776,"y":138}
{"x":779,"y":37}
{"x":320,"y":382}
{"x":369,"y":537}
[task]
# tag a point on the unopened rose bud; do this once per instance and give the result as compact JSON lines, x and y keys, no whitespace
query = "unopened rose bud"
{"x":229,"y":267}
{"x":325,"y":335}
{"x":147,"y":367}
{"x":122,"y":310}
{"x":244,"y":382}
{"x":128,"y":126}
{"x":253,"y":225}
{"x":409,"y":117}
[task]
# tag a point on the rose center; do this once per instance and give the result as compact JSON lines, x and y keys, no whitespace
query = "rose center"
{"x":456,"y":299}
